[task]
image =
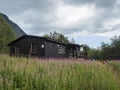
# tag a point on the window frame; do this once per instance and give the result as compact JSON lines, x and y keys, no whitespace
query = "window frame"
{"x":17,"y":51}
{"x":33,"y":48}
{"x":61,"y":49}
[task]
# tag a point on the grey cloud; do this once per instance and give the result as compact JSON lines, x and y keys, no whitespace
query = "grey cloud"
{"x":45,"y":15}
{"x":19,"y":6}
{"x":80,"y":2}
{"x":98,"y":3}
{"x":106,"y":3}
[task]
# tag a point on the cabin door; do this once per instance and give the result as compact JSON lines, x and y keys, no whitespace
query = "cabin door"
{"x":41,"y":52}
{"x":33,"y":49}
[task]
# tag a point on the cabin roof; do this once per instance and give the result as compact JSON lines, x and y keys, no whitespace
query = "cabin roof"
{"x":50,"y":40}
{"x":74,"y":44}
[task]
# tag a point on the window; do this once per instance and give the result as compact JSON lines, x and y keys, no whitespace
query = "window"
{"x":17,"y":51}
{"x":61,"y":49}
{"x":70,"y":52}
{"x":81,"y":49}
{"x":78,"y":51}
{"x":33,"y":48}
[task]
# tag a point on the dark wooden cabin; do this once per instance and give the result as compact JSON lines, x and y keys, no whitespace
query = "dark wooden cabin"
{"x":34,"y":46}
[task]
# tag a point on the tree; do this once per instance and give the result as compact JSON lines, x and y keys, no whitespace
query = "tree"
{"x":72,"y":41}
{"x":94,"y":53}
{"x":57,"y":36}
{"x":107,"y":51}
{"x":6,"y":35}
{"x":115,"y":47}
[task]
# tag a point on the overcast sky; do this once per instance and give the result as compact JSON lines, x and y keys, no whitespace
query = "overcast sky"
{"x":87,"y":21}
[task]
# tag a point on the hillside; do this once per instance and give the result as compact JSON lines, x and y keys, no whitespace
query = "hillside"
{"x":18,"y":31}
{"x":6,"y":35}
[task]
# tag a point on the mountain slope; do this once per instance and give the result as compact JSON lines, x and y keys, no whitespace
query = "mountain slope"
{"x":6,"y":35}
{"x":18,"y":31}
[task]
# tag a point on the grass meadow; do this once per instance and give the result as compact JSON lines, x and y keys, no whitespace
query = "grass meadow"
{"x":37,"y":74}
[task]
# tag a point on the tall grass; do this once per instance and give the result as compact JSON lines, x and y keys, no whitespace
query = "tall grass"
{"x":24,"y":74}
{"x":115,"y":66}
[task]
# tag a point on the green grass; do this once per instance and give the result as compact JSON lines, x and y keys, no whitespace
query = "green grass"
{"x":115,"y":66}
{"x":35,"y":74}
